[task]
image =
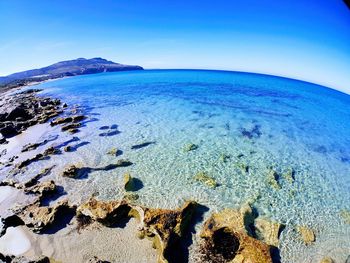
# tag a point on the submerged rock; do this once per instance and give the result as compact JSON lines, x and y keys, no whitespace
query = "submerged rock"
{"x":113,"y":151}
{"x":327,"y":260}
{"x":190,"y":147}
{"x":224,"y":158}
{"x":129,"y":184}
{"x":226,"y":239}
{"x":289,"y":175}
{"x":306,"y":234}
{"x":272,"y":179}
{"x":204,"y":178}
{"x":345,"y":215}
{"x":268,"y":231}
{"x":243,"y":167}
{"x":254,"y":132}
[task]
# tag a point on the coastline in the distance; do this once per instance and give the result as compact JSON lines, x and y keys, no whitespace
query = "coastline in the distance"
{"x":68,"y":68}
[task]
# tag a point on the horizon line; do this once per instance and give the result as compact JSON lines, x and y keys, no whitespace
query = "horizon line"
{"x":248,"y":72}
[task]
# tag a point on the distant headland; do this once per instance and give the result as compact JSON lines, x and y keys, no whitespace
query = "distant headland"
{"x":80,"y":66}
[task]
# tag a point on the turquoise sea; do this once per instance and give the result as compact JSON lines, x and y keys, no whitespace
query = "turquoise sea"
{"x":243,"y":126}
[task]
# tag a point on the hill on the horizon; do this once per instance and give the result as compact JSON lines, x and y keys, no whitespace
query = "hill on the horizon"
{"x":74,"y":67}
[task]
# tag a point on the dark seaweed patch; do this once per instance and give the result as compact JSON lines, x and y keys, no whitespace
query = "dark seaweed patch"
{"x":253,"y":133}
{"x":320,"y":149}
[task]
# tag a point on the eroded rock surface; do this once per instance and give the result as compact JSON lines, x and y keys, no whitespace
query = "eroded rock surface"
{"x":105,"y":212}
{"x":71,"y":171}
{"x":41,"y":218}
{"x":164,"y":226}
{"x":226,"y":239}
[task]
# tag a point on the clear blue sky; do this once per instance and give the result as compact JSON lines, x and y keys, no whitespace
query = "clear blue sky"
{"x":302,"y":39}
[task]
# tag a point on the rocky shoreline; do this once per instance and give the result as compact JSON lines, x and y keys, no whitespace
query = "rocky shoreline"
{"x":232,"y":235}
{"x":24,"y":109}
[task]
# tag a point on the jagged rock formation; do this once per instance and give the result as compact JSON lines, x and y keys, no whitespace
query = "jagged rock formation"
{"x":40,"y":218}
{"x":25,"y":109}
{"x":34,"y":215}
{"x":164,"y":226}
{"x":227,"y":238}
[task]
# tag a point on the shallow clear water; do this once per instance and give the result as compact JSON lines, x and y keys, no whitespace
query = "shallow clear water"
{"x":258,"y":121}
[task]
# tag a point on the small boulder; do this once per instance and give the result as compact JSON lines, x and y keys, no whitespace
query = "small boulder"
{"x":204,"y":178}
{"x":307,"y":234}
{"x":61,"y":120}
{"x":113,"y":151}
{"x":67,"y":148}
{"x":78,"y":118}
{"x":70,"y":126}
{"x":71,"y":171}
{"x":51,"y":151}
{"x":268,"y":231}
{"x":190,"y":147}
{"x":130,"y":183}
{"x":73,"y":130}
{"x":345,"y":215}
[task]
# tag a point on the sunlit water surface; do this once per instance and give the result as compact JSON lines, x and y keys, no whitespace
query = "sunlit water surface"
{"x":243,"y":124}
